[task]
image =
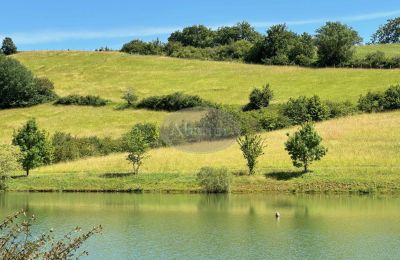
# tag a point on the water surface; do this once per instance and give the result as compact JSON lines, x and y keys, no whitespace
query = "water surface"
{"x":154,"y":226}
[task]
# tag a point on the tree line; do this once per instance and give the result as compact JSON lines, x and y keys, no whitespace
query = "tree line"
{"x":332,"y":45}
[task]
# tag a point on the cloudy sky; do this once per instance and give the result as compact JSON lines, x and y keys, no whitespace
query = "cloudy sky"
{"x":89,"y":24}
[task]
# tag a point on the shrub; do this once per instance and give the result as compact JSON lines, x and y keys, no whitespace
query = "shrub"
{"x":89,"y":100}
{"x":233,"y":51}
{"x":18,"y":88}
{"x":9,"y":156}
{"x":252,"y":147}
{"x":277,"y":121}
{"x":304,"y":147}
{"x":376,"y":59}
{"x":143,"y":48}
{"x":214,"y":180}
{"x":259,"y":98}
{"x":392,"y":97}
{"x":130,"y":97}
{"x":372,"y":102}
{"x":339,"y":109}
{"x":172,"y":102}
{"x":305,"y":109}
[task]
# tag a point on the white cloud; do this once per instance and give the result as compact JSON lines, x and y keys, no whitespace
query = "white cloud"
{"x":48,"y":36}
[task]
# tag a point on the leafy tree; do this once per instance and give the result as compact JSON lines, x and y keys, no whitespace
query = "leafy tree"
{"x":388,"y":33}
{"x":260,"y":98}
{"x":8,"y":47}
{"x":34,"y":144}
{"x":304,"y":146}
{"x":8,"y":162}
{"x":197,"y":36}
{"x":392,"y":97}
{"x":18,"y":87}
{"x":130,"y":97}
{"x":143,"y":48}
{"x":303,"y":50}
{"x":372,"y":102}
{"x":252,"y":147}
{"x":334,"y":41}
{"x":305,"y":109}
{"x":241,"y":31}
{"x":137,"y":143}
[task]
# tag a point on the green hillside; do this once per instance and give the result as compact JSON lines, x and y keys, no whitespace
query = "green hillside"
{"x":107,"y":74}
{"x":390,"y":50}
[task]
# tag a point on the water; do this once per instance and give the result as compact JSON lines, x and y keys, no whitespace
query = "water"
{"x":154,"y":226}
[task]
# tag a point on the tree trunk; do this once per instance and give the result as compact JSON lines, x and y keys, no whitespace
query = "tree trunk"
{"x":305,"y":167}
{"x":27,"y":172}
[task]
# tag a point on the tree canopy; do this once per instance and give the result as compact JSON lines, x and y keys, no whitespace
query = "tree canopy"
{"x":8,"y":47}
{"x":388,"y":33}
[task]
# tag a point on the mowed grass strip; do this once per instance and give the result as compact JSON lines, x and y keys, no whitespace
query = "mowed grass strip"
{"x":364,"y":155}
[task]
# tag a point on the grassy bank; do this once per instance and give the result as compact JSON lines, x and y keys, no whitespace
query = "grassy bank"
{"x":364,"y":156}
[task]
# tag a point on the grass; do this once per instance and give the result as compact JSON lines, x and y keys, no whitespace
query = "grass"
{"x":390,"y":50}
{"x":107,"y":74}
{"x":363,"y":156}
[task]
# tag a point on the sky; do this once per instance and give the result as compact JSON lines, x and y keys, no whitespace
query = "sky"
{"x":89,"y":24}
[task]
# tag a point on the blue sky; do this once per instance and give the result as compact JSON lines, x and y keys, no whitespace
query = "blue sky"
{"x":88,"y":24}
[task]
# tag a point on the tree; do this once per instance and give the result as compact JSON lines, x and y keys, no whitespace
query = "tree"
{"x":304,"y":146}
{"x":18,"y":87}
{"x":197,"y":36}
{"x":34,"y":144}
{"x":334,"y":41}
{"x":8,"y":162}
{"x":130,"y":97}
{"x":260,"y":98}
{"x":388,"y":33}
{"x":8,"y":46}
{"x":137,"y":145}
{"x":241,"y":31}
{"x":303,"y":109}
{"x":252,"y":147}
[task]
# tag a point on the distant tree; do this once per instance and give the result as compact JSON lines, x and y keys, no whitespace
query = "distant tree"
{"x":388,"y":33}
{"x":130,"y":97}
{"x":303,"y":50}
{"x":252,"y":147}
{"x":18,"y":87}
{"x":334,"y":41}
{"x":197,"y":36}
{"x":241,"y":31}
{"x":8,"y":47}
{"x":143,"y":48}
{"x":260,"y":98}
{"x":137,"y":144}
{"x":304,"y":146}
{"x":34,"y":144}
{"x":303,"y":109}
{"x":8,"y":163}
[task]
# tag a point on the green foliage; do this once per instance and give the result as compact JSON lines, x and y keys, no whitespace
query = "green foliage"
{"x":388,"y":33}
{"x":8,"y":47}
{"x":18,"y":87}
{"x":143,"y":48}
{"x":237,"y":50}
{"x":130,"y":97}
{"x":137,"y":143}
{"x":19,"y":242}
{"x":34,"y":144}
{"x":392,"y":97}
{"x":259,"y":98}
{"x":88,"y":100}
{"x":335,"y":41}
{"x":8,"y":163}
{"x":304,"y":147}
{"x":252,"y":147}
{"x":214,"y":180}
{"x":172,"y":102}
{"x":242,"y":31}
{"x":197,"y":36}
{"x":372,"y":102}
{"x":69,"y":148}
{"x":339,"y":109}
{"x":305,"y":109}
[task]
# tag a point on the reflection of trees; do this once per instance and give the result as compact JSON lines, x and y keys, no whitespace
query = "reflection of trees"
{"x":214,"y":202}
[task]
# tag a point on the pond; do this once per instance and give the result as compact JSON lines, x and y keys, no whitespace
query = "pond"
{"x":154,"y":226}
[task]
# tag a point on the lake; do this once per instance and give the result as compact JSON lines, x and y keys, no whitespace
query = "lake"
{"x":185,"y":226}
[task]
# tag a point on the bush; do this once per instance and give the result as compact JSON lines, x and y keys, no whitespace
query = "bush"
{"x":143,"y":48}
{"x":172,"y":102}
{"x":89,"y":100}
{"x":277,"y":121}
{"x":259,"y":98}
{"x":18,"y":88}
{"x":69,"y":148}
{"x":339,"y":109}
{"x":305,"y":109}
{"x":392,"y":97}
{"x":372,"y":102}
{"x":376,"y":59}
{"x":214,"y":180}
{"x":130,"y":97}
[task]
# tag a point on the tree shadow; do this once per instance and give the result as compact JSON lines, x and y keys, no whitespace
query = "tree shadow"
{"x":116,"y":175}
{"x":284,"y":175}
{"x":18,"y":176}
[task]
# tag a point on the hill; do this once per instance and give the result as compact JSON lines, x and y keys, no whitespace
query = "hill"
{"x":106,"y":74}
{"x":390,"y":50}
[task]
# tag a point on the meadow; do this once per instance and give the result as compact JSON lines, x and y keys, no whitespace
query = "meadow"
{"x":363,"y":149}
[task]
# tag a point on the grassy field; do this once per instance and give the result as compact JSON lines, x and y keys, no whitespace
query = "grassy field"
{"x":390,"y":50}
{"x":364,"y":156}
{"x":107,"y":74}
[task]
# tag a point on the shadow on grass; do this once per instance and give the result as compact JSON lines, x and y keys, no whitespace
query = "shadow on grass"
{"x":116,"y":175}
{"x":18,"y":176}
{"x":284,"y":175}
